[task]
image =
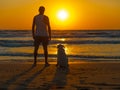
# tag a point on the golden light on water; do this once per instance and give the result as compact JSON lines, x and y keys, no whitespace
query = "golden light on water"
{"x":62,"y":39}
{"x":66,"y":50}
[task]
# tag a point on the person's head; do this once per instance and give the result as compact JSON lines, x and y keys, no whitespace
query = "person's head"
{"x":41,"y":9}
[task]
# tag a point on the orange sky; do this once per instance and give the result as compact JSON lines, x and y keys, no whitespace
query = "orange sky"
{"x":83,"y":14}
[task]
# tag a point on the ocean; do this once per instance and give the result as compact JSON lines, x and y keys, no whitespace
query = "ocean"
{"x":85,"y":45}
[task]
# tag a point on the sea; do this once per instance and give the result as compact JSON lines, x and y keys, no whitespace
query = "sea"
{"x":80,"y":45}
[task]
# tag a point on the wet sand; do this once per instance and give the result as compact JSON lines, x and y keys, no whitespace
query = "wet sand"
{"x":79,"y":76}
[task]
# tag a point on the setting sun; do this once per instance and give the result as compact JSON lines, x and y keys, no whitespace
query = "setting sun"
{"x":62,"y":15}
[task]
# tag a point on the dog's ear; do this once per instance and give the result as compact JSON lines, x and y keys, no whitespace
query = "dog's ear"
{"x":58,"y":45}
{"x":63,"y":46}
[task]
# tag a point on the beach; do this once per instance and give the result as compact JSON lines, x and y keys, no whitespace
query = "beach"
{"x":93,"y":61}
{"x":79,"y":76}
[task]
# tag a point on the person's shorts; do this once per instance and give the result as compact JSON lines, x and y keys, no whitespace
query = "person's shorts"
{"x":40,"y":39}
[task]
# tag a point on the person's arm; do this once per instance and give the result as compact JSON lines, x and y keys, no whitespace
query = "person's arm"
{"x":49,"y":29}
{"x":33,"y":28}
{"x":46,"y":20}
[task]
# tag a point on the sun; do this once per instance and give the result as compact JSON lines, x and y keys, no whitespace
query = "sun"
{"x":62,"y":15}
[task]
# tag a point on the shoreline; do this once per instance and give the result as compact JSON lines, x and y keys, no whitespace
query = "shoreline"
{"x":54,"y":61}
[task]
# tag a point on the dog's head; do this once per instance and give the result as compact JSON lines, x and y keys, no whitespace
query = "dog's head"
{"x":60,"y":46}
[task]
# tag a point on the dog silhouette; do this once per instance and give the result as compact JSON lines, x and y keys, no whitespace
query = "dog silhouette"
{"x":62,"y":59}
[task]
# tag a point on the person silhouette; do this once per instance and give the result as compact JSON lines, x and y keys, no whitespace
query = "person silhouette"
{"x":41,"y":33}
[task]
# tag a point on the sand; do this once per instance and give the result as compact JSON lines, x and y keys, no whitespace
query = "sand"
{"x":79,"y":76}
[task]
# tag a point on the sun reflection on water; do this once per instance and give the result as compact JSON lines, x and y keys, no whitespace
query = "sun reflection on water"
{"x":62,"y":39}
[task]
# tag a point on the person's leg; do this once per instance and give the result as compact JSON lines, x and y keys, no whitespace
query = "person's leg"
{"x":35,"y":53}
{"x":45,"y":47}
{"x":36,"y":47}
{"x":45,"y":53}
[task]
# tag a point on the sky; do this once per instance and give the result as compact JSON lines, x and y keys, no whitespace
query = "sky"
{"x":82,"y":14}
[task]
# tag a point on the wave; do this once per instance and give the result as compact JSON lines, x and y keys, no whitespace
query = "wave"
{"x":24,"y":43}
{"x":11,"y":38}
{"x":63,"y":34}
{"x":87,"y":57}
{"x":15,"y":43}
